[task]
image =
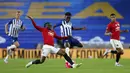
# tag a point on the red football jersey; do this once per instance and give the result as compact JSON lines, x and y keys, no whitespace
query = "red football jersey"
{"x":48,"y":35}
{"x":114,"y":28}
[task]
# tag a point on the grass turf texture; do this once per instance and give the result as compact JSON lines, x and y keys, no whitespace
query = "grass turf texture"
{"x":58,"y":66}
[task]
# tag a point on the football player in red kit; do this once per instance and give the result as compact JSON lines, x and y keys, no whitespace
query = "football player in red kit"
{"x":48,"y":36}
{"x":113,"y":30}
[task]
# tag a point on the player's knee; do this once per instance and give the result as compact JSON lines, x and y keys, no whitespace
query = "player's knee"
{"x":67,"y":44}
{"x":121,"y":52}
{"x":42,"y":59}
{"x":41,"y":62}
{"x":12,"y":49}
{"x":17,"y":44}
{"x":61,"y":52}
{"x":118,"y":50}
{"x":80,"y":45}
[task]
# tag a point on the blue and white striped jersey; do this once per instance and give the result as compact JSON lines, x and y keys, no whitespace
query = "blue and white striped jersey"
{"x":14,"y":28}
{"x":66,"y":28}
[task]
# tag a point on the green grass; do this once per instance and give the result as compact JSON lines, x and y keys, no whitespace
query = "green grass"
{"x":58,"y":66}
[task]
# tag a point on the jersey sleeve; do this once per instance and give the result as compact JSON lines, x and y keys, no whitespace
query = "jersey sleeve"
{"x":59,"y":37}
{"x":37,"y":27}
{"x":22,"y":25}
{"x":10,"y":22}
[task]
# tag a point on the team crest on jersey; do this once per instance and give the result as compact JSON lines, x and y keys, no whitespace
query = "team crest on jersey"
{"x":51,"y":33}
{"x":117,"y":25}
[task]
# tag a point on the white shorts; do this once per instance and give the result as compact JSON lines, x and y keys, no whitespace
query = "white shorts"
{"x":48,"y":49}
{"x":116,"y":44}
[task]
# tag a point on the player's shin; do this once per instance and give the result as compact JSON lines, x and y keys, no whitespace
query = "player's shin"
{"x":39,"y":61}
{"x":36,"y":61}
{"x":9,"y":52}
{"x":67,"y":58}
{"x":118,"y":57}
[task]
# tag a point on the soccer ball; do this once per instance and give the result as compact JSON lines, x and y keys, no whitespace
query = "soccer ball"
{"x":68,"y":65}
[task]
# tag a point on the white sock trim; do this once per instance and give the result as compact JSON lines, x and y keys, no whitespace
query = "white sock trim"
{"x":67,"y":50}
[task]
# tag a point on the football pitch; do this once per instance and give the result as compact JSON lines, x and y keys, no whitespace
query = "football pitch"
{"x":58,"y":66}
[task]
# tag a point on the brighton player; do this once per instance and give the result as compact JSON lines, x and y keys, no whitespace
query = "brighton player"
{"x":48,"y":36}
{"x":113,"y":30}
{"x":15,"y":25}
{"x":66,"y":30}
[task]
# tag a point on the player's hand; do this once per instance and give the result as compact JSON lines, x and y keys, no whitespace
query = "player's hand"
{"x":7,"y":32}
{"x":23,"y":28}
{"x":84,"y":28}
{"x":126,"y":30}
{"x":29,"y":16}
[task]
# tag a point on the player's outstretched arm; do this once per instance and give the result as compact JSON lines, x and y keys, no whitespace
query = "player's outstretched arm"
{"x":6,"y":26}
{"x":124,"y":30}
{"x":107,"y":33}
{"x":59,"y":37}
{"x":83,"y":28}
{"x":34,"y":24}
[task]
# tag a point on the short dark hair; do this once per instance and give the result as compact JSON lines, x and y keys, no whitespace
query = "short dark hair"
{"x":112,"y":14}
{"x":68,"y":14}
{"x":18,"y":11}
{"x":45,"y":24}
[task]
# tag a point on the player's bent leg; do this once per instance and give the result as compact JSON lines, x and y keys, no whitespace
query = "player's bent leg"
{"x":109,"y":51}
{"x":16,"y":44}
{"x":119,"y":53}
{"x":114,"y":51}
{"x":10,"y":50}
{"x":38,"y":61}
{"x":45,"y":51}
{"x":67,"y":49}
{"x":117,"y":59}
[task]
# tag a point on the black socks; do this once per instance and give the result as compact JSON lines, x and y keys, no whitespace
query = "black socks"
{"x":36,"y":61}
{"x":68,"y":59}
{"x":114,"y":51}
{"x":118,"y":57}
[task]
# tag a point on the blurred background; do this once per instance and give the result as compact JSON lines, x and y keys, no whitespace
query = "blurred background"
{"x":93,"y":14}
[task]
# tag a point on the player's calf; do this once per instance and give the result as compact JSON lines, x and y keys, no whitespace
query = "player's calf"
{"x":61,"y":52}
{"x":38,"y":61}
